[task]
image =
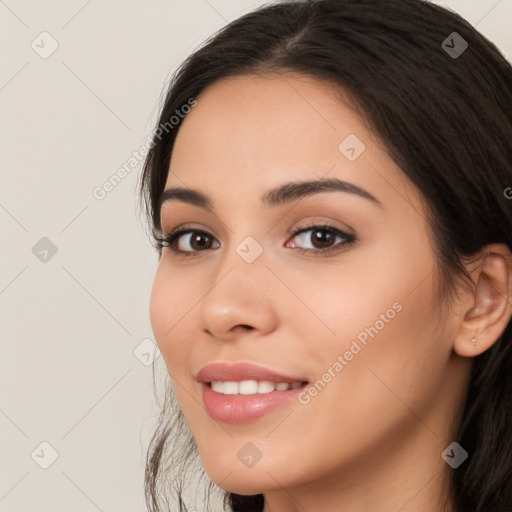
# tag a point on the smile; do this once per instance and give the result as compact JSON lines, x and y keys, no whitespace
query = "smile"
{"x":242,"y":392}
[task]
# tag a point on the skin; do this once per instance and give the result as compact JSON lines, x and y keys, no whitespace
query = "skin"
{"x":372,"y":438}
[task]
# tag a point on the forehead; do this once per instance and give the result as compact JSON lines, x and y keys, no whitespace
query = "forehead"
{"x":251,"y":133}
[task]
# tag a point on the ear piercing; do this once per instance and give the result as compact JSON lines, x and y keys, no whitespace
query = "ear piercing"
{"x":474,"y":340}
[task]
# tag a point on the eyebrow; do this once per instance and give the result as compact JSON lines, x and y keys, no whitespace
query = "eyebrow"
{"x":280,"y":195}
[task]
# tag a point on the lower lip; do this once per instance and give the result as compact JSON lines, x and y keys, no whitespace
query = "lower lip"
{"x":244,"y":408}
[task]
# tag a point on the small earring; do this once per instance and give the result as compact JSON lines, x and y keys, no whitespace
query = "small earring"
{"x":474,"y":340}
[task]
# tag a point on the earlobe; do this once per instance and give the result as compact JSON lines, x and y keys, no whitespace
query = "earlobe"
{"x":488,"y":305}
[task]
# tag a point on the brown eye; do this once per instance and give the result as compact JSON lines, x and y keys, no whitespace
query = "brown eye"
{"x":188,"y":241}
{"x":191,"y":241}
{"x":318,"y":238}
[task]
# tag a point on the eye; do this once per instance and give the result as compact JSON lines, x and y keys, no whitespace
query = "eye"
{"x":320,"y":238}
{"x":187,"y":241}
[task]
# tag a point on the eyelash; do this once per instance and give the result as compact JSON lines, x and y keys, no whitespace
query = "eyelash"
{"x":169,"y":239}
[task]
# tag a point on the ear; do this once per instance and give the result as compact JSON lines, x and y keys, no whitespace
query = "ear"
{"x":487,"y":306}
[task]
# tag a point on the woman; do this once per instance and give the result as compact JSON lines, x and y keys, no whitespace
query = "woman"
{"x":327,"y":190}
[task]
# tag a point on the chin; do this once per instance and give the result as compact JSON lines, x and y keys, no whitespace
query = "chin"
{"x":244,"y":481}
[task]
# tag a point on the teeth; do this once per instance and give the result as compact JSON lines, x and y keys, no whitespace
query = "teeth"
{"x":217,"y":386}
{"x":230,"y":388}
{"x":265,"y":386}
{"x":246,"y":387}
{"x":251,"y":387}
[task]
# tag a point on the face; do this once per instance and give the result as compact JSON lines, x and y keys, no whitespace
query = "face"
{"x":311,"y":308}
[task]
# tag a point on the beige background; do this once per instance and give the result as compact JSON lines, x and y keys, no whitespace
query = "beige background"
{"x":75,"y":333}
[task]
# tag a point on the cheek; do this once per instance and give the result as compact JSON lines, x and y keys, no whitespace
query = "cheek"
{"x":384,"y":323}
{"x":160,"y":307}
{"x":170,"y":306}
{"x":170,"y":303}
{"x":363,"y":291}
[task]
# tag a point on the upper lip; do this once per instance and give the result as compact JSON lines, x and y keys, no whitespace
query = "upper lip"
{"x":236,"y":372}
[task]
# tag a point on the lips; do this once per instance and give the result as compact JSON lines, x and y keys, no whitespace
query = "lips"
{"x":242,"y":392}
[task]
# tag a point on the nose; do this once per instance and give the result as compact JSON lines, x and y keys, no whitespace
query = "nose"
{"x":239,"y":300}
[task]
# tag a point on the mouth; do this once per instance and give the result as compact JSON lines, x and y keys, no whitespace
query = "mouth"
{"x":244,"y":392}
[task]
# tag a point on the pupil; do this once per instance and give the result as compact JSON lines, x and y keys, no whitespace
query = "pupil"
{"x":199,"y":240}
{"x":322,"y":238}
